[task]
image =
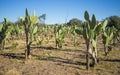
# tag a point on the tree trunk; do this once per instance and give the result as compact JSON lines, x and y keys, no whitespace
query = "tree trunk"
{"x":87,"y":54}
{"x":60,"y":45}
{"x":27,"y":44}
{"x":28,"y":50}
{"x":74,"y":41}
{"x":3,"y":44}
{"x":55,"y":40}
{"x":105,"y":49}
{"x":94,"y":59}
{"x":26,"y":57}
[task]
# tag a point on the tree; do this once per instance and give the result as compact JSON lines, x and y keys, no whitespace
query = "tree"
{"x":74,"y":21}
{"x":115,"y":21}
{"x":42,"y":18}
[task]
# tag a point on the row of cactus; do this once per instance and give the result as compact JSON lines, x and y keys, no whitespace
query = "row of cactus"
{"x":59,"y":35}
{"x":15,"y":31}
{"x":90,"y":31}
{"x":8,"y":30}
{"x":44,"y":31}
{"x":30,"y":30}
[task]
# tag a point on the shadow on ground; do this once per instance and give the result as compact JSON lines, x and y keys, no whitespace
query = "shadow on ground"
{"x":58,"y":59}
{"x":112,"y":60}
{"x":57,"y":49}
{"x":18,"y":56}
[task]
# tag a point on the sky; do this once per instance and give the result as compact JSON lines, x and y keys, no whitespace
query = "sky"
{"x":59,"y":11}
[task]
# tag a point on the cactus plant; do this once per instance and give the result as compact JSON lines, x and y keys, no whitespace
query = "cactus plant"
{"x":115,"y":39}
{"x":59,"y":35}
{"x":72,"y":31}
{"x":90,"y":31}
{"x":3,"y":33}
{"x":30,"y":30}
{"x":107,"y":37}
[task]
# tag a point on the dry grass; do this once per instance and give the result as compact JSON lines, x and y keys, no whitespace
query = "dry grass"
{"x":12,"y":72}
{"x":47,"y":60}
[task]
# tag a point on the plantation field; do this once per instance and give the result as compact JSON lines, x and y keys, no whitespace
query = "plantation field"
{"x":46,"y":59}
{"x":87,"y":48}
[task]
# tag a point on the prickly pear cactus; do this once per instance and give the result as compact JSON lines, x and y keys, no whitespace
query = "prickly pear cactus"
{"x":29,"y":24}
{"x":107,"y":37}
{"x":3,"y":33}
{"x":90,"y":31}
{"x":30,"y":29}
{"x":59,"y":35}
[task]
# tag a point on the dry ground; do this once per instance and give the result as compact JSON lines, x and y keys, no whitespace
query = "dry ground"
{"x":47,"y":60}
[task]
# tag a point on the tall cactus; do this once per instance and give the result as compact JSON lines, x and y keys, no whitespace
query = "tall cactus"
{"x":3,"y":33}
{"x":107,"y":37}
{"x":30,"y":30}
{"x":90,"y":32}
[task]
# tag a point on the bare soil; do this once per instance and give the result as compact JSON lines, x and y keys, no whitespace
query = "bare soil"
{"x":47,"y":60}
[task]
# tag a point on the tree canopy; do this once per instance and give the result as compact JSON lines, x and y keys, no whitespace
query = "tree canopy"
{"x":75,"y":21}
{"x":114,"y":21}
